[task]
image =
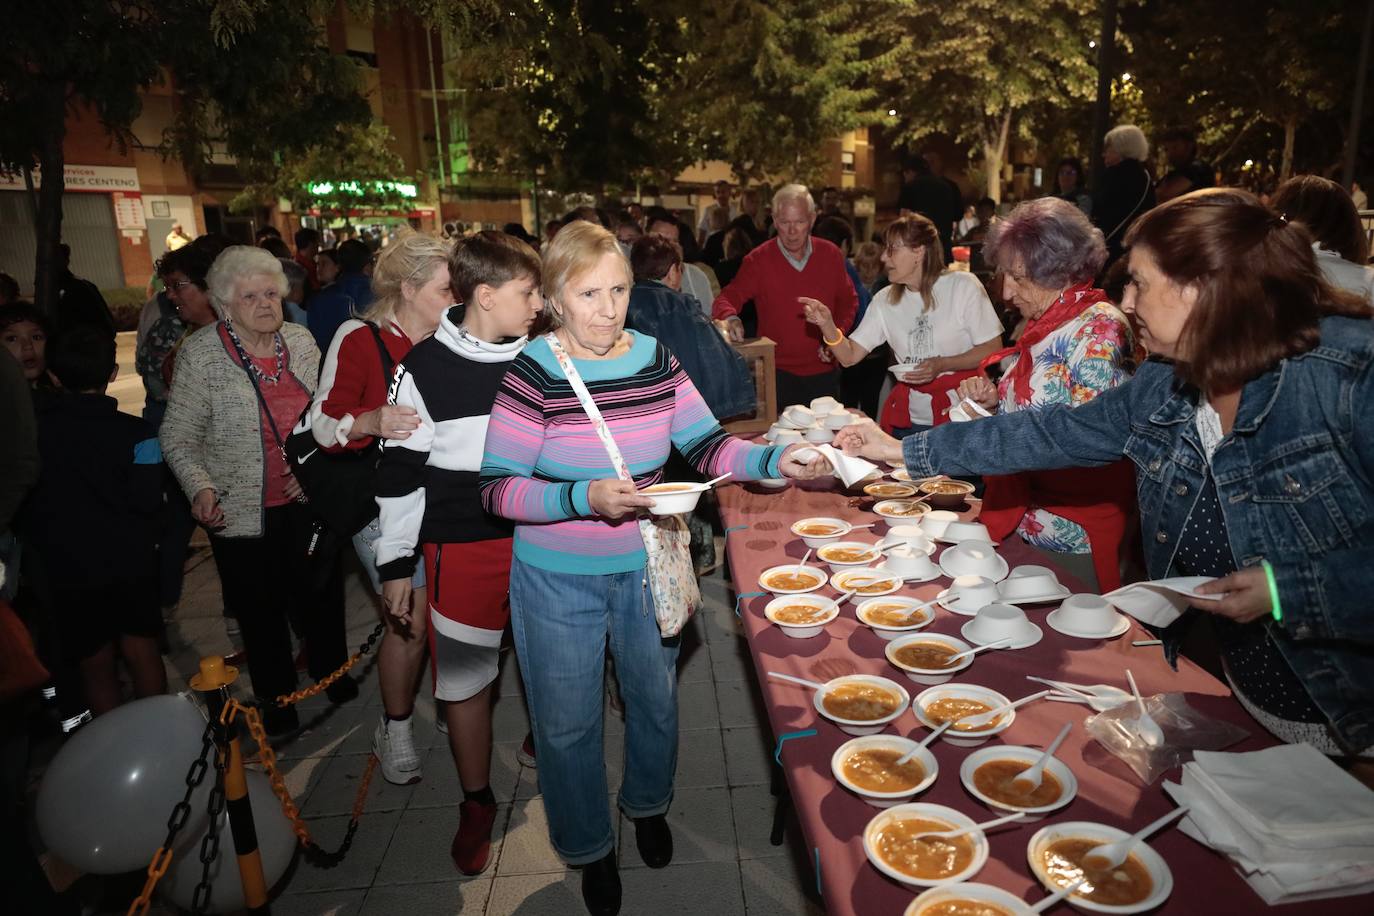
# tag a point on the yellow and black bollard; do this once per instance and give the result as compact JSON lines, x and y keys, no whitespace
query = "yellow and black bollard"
{"x":213,"y":683}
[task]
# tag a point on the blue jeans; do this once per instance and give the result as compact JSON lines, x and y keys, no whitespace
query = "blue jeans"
{"x":561,"y":623}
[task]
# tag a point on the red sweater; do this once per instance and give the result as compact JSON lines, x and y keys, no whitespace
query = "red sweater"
{"x":352,"y":382}
{"x":774,"y":284}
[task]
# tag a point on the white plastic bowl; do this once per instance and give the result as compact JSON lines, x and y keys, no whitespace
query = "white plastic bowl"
{"x":969,"y":890}
{"x":815,"y":541}
{"x":772,"y":483}
{"x":973,"y":558}
{"x":862,"y":726}
{"x":984,"y":695}
{"x":925,"y":811}
{"x":802,"y":630}
{"x":886,"y":742}
{"x":1154,"y":863}
{"x":890,"y":632}
{"x":790,"y":567}
{"x":673,"y":499}
{"x":929,"y":676}
{"x":824,"y":554}
{"x":887,"y":489}
{"x":1056,"y":768}
{"x":903,"y":510}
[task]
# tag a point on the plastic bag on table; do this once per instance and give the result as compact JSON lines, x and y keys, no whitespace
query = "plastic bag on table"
{"x":1182,"y":730}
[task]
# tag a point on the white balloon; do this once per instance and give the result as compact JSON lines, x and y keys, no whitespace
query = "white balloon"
{"x":106,"y":796}
{"x":276,"y":842}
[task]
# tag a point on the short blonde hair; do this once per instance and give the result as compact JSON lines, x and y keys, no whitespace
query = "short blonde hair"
{"x":237,"y":263}
{"x":794,"y":194}
{"x":411,"y":258}
{"x":575,"y":250}
{"x":1128,"y":141}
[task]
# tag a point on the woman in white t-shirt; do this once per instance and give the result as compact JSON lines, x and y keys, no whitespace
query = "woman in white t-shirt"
{"x":940,"y":322}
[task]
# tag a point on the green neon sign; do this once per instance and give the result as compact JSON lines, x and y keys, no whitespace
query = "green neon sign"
{"x":359,"y":188}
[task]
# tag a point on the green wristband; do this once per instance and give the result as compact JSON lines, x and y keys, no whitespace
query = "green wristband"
{"x":1275,"y":609}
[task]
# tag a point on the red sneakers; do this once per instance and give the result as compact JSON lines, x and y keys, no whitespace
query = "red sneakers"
{"x":471,"y":849}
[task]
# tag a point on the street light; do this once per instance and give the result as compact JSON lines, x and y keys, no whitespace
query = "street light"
{"x":1092,"y":44}
{"x":1125,"y":77}
{"x":1249,"y":163}
{"x":892,"y":112}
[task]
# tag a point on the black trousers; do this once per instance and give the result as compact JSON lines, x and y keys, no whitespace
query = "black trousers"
{"x":802,"y":389}
{"x":268,"y":582}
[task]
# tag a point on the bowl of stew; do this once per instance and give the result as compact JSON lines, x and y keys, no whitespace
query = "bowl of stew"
{"x":861,"y":704}
{"x":925,"y":657}
{"x":801,"y":616}
{"x":935,"y":705}
{"x":1056,"y":854}
{"x":792,"y":579}
{"x":989,"y":774}
{"x":891,"y":844}
{"x":867,"y":767}
{"x":945,"y":493}
{"x":967,"y":899}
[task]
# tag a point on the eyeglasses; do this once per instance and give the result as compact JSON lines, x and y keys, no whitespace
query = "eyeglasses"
{"x":178,"y":285}
{"x":893,"y":249}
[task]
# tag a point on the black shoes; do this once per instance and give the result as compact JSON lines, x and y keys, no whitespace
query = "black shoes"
{"x":601,"y":886}
{"x":279,"y":720}
{"x":654,"y":839}
{"x":342,"y":691}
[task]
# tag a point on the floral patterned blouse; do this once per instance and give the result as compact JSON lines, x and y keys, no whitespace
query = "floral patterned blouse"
{"x":1074,"y":364}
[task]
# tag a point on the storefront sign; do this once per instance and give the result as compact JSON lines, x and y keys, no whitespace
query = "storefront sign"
{"x":128,"y":210}
{"x":100,"y":179}
{"x":358,"y":189}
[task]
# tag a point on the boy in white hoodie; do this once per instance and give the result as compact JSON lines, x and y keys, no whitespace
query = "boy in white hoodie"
{"x":428,"y":495}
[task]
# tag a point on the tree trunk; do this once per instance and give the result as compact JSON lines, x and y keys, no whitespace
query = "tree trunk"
{"x":1290,"y":134}
{"x":48,"y":230}
{"x":994,"y":151}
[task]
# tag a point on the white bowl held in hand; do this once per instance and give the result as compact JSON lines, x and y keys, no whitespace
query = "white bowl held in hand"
{"x":901,"y":700}
{"x":1162,"y":880}
{"x":961,"y":737}
{"x":973,"y":558}
{"x":997,"y":622}
{"x":781,"y":611}
{"x":928,"y":676}
{"x":928,"y":901}
{"x":925,"y":812}
{"x":1055,"y":767}
{"x":1088,"y":617}
{"x":929,"y":768}
{"x":673,"y":498}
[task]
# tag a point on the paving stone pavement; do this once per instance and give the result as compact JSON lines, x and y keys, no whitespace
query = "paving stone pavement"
{"x":721,"y":815}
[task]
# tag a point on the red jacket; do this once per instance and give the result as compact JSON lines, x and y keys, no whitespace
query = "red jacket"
{"x":774,"y":284}
{"x":352,"y":382}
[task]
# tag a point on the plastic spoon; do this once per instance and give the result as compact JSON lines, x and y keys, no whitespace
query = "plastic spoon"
{"x":926,"y":743}
{"x":1113,"y":854}
{"x":814,"y":685}
{"x":992,"y":645}
{"x":995,"y":822}
{"x":715,"y":480}
{"x":1033,"y":776}
{"x":977,"y":721}
{"x":1149,"y":729}
{"x":805,"y":557}
{"x":1057,"y":896}
{"x":1100,"y":697}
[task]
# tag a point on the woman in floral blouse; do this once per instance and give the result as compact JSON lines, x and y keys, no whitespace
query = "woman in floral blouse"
{"x":1074,"y":345}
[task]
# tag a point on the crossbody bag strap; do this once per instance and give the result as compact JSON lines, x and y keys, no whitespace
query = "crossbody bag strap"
{"x":388,"y":364}
{"x":252,"y":380}
{"x":584,"y":396}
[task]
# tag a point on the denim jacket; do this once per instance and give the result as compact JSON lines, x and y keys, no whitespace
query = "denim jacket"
{"x":1295,"y":478}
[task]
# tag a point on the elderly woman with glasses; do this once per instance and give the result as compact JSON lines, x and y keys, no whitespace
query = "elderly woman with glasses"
{"x":578,"y":577}
{"x":940,"y":322}
{"x":1073,"y":345}
{"x":239,"y":386}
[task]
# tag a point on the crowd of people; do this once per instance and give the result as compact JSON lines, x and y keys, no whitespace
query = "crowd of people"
{"x":479,"y":419}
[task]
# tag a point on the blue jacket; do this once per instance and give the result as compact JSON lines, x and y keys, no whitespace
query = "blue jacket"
{"x":345,"y":298}
{"x":715,"y":368}
{"x":1295,"y":479}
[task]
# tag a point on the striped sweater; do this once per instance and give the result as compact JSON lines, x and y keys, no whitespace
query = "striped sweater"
{"x":542,"y":452}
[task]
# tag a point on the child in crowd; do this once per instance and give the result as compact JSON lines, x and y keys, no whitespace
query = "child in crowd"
{"x":91,"y":523}
{"x":428,"y":495}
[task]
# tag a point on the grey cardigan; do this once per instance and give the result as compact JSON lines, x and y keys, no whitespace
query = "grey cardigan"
{"x":211,"y":436}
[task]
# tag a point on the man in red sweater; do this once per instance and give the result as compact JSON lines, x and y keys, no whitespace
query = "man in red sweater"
{"x":777,"y":275}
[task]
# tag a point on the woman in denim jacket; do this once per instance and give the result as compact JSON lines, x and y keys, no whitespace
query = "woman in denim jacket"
{"x":1245,"y":430}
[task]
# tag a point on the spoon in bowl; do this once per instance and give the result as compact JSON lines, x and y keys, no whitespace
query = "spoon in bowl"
{"x":805,"y":557}
{"x":715,"y":480}
{"x":951,"y":834}
{"x":979,"y":720}
{"x":926,"y":743}
{"x":1057,"y":896}
{"x":1031,"y":778}
{"x":1110,"y":855}
{"x":1001,"y":643}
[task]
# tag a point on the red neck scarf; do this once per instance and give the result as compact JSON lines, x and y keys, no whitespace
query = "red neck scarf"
{"x":1070,"y":304}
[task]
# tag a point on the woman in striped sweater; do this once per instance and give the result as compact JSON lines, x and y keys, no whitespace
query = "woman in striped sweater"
{"x":578,"y":573}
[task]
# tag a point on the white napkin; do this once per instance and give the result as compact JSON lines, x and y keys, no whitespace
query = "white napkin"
{"x":848,"y":468}
{"x":966,"y":410}
{"x":1161,"y":601}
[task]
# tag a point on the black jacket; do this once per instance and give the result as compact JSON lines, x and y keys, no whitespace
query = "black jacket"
{"x":1125,"y":193}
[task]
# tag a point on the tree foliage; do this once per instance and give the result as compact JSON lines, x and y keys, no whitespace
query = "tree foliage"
{"x":980,"y":69}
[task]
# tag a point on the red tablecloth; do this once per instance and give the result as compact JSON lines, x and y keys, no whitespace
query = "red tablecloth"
{"x":833,"y":819}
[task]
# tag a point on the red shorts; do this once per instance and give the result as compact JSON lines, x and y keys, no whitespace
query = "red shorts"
{"x":469,"y":587}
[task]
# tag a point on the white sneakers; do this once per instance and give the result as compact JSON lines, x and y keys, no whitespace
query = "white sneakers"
{"x":394,"y":746}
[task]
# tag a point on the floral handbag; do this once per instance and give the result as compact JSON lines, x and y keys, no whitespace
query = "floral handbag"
{"x":672,"y":578}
